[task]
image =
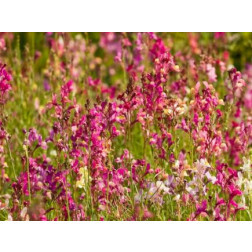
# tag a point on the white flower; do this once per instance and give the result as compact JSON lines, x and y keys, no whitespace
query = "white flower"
{"x":162,"y":187}
{"x":201,"y":166}
{"x":192,"y":191}
{"x":84,"y":177}
{"x":74,"y":128}
{"x":176,"y":165}
{"x":138,"y":197}
{"x":53,"y":153}
{"x":239,"y":181}
{"x":177,"y":197}
{"x":23,"y":212}
{"x":242,"y":204}
{"x":247,"y":186}
{"x":246,"y":165}
{"x":210,"y":177}
{"x":152,"y":191}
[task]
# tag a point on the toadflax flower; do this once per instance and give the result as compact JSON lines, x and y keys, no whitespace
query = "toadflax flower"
{"x":5,"y":79}
{"x":84,"y":178}
{"x":246,"y":165}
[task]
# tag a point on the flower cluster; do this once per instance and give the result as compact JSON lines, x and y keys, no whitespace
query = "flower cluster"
{"x":125,"y":126}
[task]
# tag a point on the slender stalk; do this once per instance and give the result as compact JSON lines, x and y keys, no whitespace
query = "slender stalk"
{"x":12,"y":160}
{"x":28,"y":172}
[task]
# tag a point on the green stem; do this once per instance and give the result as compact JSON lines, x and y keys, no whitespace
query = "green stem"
{"x":28,"y":173}
{"x":12,"y":161}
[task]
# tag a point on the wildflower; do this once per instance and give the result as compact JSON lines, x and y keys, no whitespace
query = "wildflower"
{"x":23,"y":214}
{"x":237,"y":82}
{"x":211,"y":178}
{"x":202,"y":166}
{"x":53,"y":153}
{"x":2,"y":44}
{"x":67,"y":89}
{"x":92,"y":82}
{"x":246,"y":165}
{"x":211,"y":73}
{"x":84,"y":178}
{"x":5,"y":79}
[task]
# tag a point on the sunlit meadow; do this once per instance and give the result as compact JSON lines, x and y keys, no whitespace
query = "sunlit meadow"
{"x":125,"y":126}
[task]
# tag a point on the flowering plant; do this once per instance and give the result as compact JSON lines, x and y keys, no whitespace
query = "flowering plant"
{"x":124,"y":126}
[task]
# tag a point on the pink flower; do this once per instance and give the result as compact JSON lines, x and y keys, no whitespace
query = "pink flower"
{"x":92,"y":82}
{"x":67,"y":89}
{"x":2,"y":44}
{"x":211,"y":73}
{"x":5,"y":79}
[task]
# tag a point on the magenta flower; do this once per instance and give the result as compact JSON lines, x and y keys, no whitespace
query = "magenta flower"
{"x":5,"y":79}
